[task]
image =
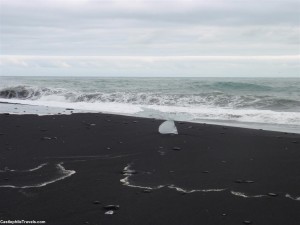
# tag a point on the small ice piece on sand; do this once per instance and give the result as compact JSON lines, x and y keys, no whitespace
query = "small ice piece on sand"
{"x":110,"y":212}
{"x":168,"y":127}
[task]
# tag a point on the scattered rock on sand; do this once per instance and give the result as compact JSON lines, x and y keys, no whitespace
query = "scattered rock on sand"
{"x":109,"y":212}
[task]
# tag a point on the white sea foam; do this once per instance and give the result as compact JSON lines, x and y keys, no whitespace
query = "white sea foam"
{"x":128,"y":173}
{"x":244,"y":195}
{"x":61,"y":170}
{"x":252,"y":118}
{"x":107,"y":107}
{"x":29,"y":170}
{"x":195,"y":190}
{"x":291,"y":197}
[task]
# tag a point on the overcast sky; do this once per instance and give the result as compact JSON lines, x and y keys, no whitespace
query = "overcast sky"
{"x":150,"y":37}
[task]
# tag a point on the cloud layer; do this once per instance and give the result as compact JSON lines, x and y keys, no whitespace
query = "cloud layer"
{"x":153,"y":29}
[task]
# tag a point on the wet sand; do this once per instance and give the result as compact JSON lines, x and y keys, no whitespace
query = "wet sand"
{"x":65,"y":169}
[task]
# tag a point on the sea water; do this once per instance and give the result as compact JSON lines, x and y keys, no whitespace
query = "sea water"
{"x":267,"y":103}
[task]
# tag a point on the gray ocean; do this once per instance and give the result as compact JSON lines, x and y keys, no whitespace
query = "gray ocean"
{"x":267,"y":103}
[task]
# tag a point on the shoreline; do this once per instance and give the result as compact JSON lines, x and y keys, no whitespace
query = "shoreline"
{"x":79,"y":164}
{"x":8,"y":107}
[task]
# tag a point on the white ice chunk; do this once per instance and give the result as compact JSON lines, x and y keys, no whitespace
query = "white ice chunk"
{"x":168,"y":127}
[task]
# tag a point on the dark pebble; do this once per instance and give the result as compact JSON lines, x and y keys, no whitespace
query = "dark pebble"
{"x":96,"y":202}
{"x":205,"y":171}
{"x":247,"y":222}
{"x":238,"y":181}
{"x":1,"y":134}
{"x":6,"y":114}
{"x":69,"y":109}
{"x":295,"y":142}
{"x":111,"y":207}
{"x":176,"y":148}
{"x":5,"y":179}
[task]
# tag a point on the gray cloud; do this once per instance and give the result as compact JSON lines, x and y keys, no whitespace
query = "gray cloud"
{"x":148,"y":28}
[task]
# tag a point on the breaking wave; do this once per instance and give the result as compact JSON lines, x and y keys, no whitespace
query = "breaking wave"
{"x":208,"y":99}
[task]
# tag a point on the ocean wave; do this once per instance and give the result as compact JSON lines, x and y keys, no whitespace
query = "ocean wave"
{"x":208,"y":99}
{"x":241,"y":86}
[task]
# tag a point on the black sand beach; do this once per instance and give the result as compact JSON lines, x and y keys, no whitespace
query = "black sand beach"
{"x":65,"y":169}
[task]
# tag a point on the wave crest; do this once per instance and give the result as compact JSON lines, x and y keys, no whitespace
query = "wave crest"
{"x":207,"y":99}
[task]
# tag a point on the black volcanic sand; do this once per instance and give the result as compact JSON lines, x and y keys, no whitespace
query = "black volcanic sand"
{"x":262,"y":166}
